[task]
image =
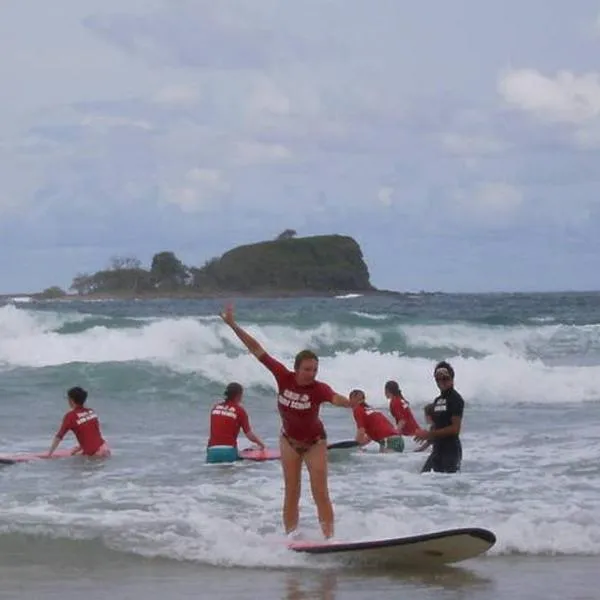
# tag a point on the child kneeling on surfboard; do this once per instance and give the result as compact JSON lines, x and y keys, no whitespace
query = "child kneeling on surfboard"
{"x":226,"y":419}
{"x":373,"y":425}
{"x":84,"y":423}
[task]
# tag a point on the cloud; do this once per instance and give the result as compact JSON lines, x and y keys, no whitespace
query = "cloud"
{"x":491,"y":201}
{"x":564,"y":98}
{"x":178,"y":95}
{"x":255,"y":153}
{"x":197,"y":190}
{"x":102,"y":123}
{"x":201,"y":33}
{"x":385,"y":195}
{"x":471,"y":145}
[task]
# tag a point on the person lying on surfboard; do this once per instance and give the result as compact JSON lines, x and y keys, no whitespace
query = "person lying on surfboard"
{"x":400,"y":409}
{"x":373,"y":425}
{"x":84,"y":423}
{"x":226,"y":419}
{"x":303,"y":437}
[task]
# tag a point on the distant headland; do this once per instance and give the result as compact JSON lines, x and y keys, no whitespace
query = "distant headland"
{"x":288,"y":266}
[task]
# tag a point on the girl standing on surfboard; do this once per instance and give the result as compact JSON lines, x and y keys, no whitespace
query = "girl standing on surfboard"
{"x":303,"y":437}
{"x":226,"y":419}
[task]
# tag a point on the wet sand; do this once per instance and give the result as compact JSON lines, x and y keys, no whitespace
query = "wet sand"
{"x":125,"y":577}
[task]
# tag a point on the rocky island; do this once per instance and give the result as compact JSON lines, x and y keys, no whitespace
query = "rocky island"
{"x":286,"y":266}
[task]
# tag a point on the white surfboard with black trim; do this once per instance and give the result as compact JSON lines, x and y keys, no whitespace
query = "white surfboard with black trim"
{"x":429,"y":549}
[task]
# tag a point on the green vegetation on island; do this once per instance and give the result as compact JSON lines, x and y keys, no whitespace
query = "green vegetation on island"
{"x":288,"y":265}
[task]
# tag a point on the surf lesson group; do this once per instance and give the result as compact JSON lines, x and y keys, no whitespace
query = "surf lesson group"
{"x":303,"y":438}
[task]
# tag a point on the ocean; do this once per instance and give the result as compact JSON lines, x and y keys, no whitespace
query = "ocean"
{"x":155,"y":521}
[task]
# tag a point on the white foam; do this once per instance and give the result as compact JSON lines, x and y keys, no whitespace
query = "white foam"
{"x":505,"y":375}
{"x":235,"y":519}
{"x":371,"y":316}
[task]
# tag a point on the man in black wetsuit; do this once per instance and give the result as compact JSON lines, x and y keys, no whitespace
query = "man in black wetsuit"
{"x":447,"y":411}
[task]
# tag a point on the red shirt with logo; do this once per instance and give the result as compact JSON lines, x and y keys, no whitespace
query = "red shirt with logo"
{"x":298,"y":404}
{"x":401,"y":412}
{"x":226,"y":420}
{"x":375,"y":423}
{"x":83,"y":422}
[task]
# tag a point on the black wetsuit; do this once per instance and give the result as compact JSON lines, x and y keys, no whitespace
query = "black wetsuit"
{"x":446,"y":455}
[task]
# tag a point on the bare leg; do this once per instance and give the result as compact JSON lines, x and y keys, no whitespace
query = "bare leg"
{"x":316,"y":462}
{"x":291,"y":463}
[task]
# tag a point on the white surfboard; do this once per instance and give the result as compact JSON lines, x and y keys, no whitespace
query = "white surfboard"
{"x":430,"y":549}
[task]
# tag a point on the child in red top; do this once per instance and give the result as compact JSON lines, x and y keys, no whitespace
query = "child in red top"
{"x":83,"y":422}
{"x":302,"y":439}
{"x":400,"y":409}
{"x":372,"y":424}
{"x":226,"y":420}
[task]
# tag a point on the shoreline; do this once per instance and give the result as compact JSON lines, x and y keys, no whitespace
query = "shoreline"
{"x":266,"y":295}
{"x":220,"y":295}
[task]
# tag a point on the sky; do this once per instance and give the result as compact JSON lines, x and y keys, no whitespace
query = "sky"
{"x":457,"y":142}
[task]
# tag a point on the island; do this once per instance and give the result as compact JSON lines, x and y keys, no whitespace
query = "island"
{"x":321,"y":265}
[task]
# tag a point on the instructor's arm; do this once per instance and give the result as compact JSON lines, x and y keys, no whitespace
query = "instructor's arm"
{"x":339,"y":400}
{"x":253,"y":346}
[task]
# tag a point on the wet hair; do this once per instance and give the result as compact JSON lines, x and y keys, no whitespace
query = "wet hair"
{"x":233,"y":390}
{"x":302,"y":356}
{"x":78,"y":395}
{"x":392,"y":387}
{"x":444,"y":366}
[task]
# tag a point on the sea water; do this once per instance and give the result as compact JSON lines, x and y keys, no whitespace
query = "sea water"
{"x":528,"y":367}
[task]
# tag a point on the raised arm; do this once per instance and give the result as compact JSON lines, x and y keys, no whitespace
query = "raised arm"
{"x":253,"y":346}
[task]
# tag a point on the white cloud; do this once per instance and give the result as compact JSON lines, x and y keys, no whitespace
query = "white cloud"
{"x":385,"y":195}
{"x":255,"y":153}
{"x":564,"y":98}
{"x":198,"y":190}
{"x":178,"y":95}
{"x":498,"y":197}
{"x":105,"y":122}
{"x":268,"y":99}
{"x":471,"y":145}
{"x":490,"y":202}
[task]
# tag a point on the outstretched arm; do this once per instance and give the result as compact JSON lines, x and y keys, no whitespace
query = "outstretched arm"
{"x":253,"y":346}
{"x":340,"y":400}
